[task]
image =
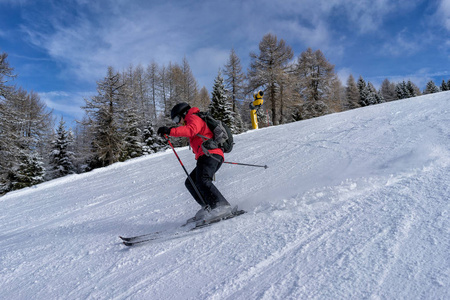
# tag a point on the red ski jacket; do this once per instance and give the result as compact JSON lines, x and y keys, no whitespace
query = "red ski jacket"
{"x":195,"y":125}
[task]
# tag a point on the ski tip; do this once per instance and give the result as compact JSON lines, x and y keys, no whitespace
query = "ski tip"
{"x":127,"y":243}
{"x":124,"y":238}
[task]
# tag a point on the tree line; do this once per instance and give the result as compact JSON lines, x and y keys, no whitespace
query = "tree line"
{"x":120,"y":119}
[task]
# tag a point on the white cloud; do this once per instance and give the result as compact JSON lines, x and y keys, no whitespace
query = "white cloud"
{"x":343,"y":75}
{"x":65,"y":103}
{"x":443,"y":13}
{"x":404,"y":43}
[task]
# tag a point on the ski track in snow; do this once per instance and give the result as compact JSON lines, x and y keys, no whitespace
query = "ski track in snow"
{"x":353,"y":206}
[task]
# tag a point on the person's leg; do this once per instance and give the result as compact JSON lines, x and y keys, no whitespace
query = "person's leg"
{"x":205,"y":170}
{"x":191,"y":189}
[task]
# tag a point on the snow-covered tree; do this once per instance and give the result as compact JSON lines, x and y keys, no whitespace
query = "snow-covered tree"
{"x":402,"y":90}
{"x":152,"y":143}
{"x":132,"y":143}
{"x":25,"y":124}
{"x":220,"y":107}
{"x":413,"y":90}
{"x":431,"y":88}
{"x":373,"y":97}
{"x":363,"y":92}
{"x":61,"y":156}
{"x":30,"y":171}
{"x":444,"y":86}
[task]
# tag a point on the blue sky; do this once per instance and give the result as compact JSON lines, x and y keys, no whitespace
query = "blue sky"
{"x":61,"y":48}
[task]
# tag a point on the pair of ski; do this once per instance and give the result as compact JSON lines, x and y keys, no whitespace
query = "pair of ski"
{"x":179,"y":232}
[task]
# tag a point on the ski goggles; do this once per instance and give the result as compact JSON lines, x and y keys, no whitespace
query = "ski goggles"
{"x":176,"y":119}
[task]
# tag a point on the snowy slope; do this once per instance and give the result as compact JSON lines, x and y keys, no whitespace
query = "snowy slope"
{"x":353,"y":205}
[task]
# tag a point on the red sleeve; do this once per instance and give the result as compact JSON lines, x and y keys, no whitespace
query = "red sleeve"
{"x":192,"y":127}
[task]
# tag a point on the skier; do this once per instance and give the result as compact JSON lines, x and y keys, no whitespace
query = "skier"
{"x":215,"y":206}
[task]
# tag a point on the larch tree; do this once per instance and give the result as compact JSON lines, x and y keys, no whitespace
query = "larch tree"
{"x":315,"y":77}
{"x":104,"y":115}
{"x":267,"y":70}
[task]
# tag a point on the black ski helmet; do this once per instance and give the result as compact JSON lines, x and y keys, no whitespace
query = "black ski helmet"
{"x":179,"y":110}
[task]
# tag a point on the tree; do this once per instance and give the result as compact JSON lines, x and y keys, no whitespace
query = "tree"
{"x":104,"y":115}
{"x":220,"y":107}
{"x":352,"y":94}
{"x":363,"y":92}
{"x":6,"y":73}
{"x":234,"y":79}
{"x":25,"y":128}
{"x":387,"y":90}
{"x":402,"y":91}
{"x":315,"y":80}
{"x":132,"y":145}
{"x":85,"y":158}
{"x":267,"y":68}
{"x":30,"y":171}
{"x":152,"y":143}
{"x":235,"y":84}
{"x":189,"y":84}
{"x":373,"y":97}
{"x":413,"y":90}
{"x":61,"y":156}
{"x":152,"y":86}
{"x":444,"y":86}
{"x":431,"y":88}
{"x":204,"y":100}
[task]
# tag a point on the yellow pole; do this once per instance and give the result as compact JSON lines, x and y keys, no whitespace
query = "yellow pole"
{"x":254,"y":106}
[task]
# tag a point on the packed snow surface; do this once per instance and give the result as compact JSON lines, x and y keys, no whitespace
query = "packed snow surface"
{"x":353,"y":205}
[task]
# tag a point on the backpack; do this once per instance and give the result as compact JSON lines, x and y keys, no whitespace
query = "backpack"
{"x":223,"y":138}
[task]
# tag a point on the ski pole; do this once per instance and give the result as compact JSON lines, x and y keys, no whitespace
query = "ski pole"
{"x":189,"y":177}
{"x":248,"y":165}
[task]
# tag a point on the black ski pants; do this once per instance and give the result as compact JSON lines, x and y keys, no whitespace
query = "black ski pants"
{"x":202,"y":176}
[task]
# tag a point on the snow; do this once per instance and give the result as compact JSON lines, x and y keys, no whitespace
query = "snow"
{"x":353,"y":205}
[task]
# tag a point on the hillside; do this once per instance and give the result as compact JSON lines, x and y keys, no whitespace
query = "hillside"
{"x":353,"y":205}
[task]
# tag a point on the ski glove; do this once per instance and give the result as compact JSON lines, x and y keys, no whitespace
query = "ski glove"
{"x":163,"y":130}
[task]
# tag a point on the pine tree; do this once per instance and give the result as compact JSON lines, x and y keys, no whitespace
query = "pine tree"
{"x":444,"y":86}
{"x":61,"y":156}
{"x":413,"y":90}
{"x":402,"y":90}
{"x":220,"y":107}
{"x":152,"y":143}
{"x":373,"y":97}
{"x":363,"y":92}
{"x":431,"y":88}
{"x":29,"y":172}
{"x":132,"y":145}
